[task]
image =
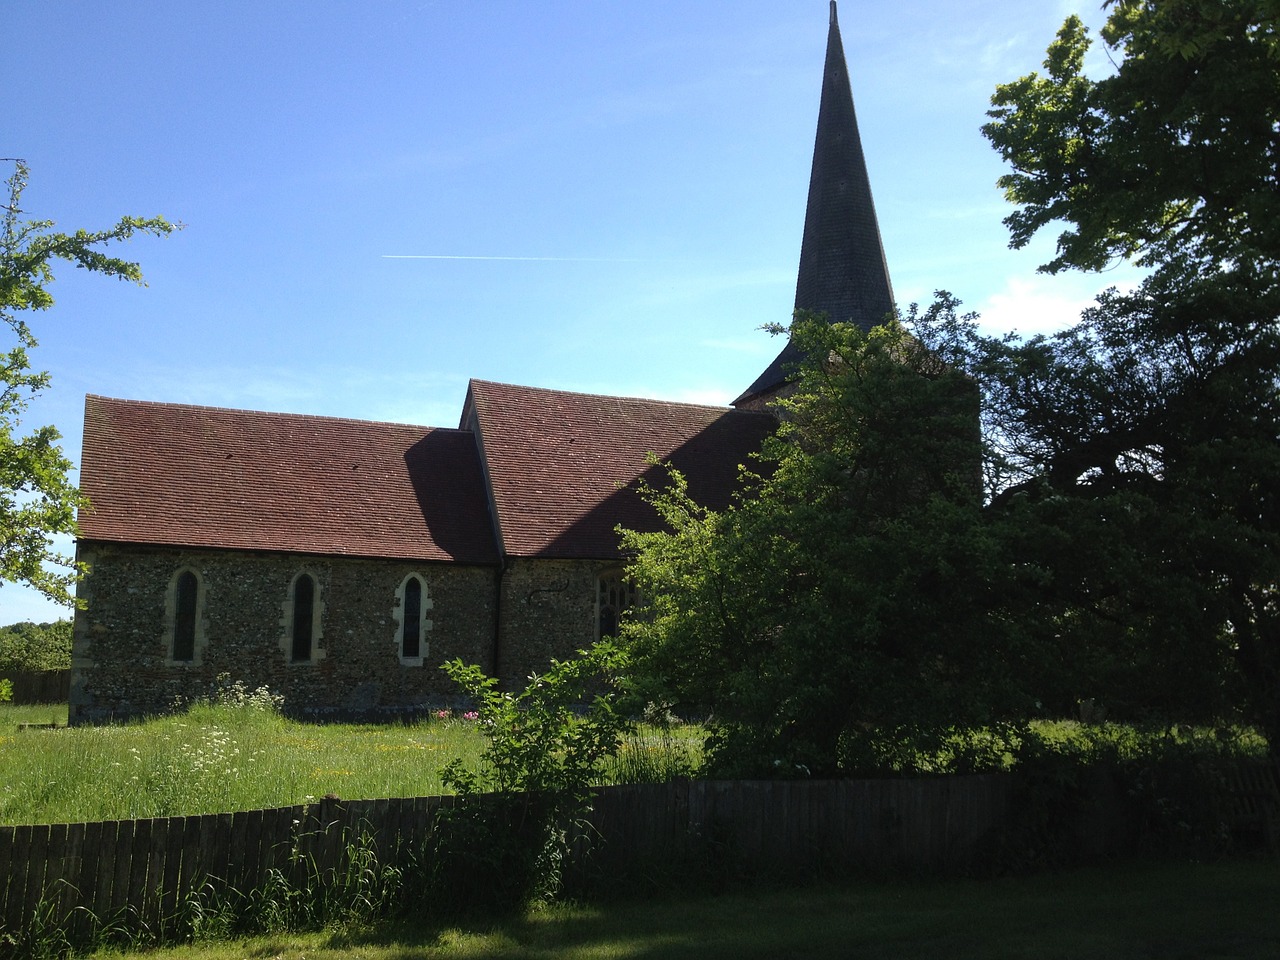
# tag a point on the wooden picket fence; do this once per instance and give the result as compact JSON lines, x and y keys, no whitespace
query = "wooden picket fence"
{"x":73,"y":875}
{"x":39,"y":686}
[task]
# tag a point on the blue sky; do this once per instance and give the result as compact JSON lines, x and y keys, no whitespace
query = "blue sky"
{"x":384,"y":199}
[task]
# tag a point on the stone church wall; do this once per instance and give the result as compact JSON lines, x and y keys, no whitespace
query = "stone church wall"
{"x":548,"y":612}
{"x":123,"y":657}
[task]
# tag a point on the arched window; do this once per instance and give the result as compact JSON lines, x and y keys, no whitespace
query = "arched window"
{"x":184,"y":630}
{"x":411,"y":629}
{"x":614,"y":594}
{"x":184,"y":617}
{"x":303,"y":631}
{"x":412,"y":625}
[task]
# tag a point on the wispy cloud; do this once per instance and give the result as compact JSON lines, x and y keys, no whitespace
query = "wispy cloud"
{"x":1032,"y":306}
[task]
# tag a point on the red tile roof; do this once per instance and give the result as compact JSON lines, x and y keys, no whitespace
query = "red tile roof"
{"x":563,"y":466}
{"x":161,"y":473}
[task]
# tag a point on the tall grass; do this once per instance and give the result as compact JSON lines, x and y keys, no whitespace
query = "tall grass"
{"x":241,"y":755}
{"x":657,"y":755}
{"x":51,"y":714}
{"x":216,"y":758}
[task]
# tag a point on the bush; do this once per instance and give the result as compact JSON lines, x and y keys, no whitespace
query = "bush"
{"x":546,"y":747}
{"x":1082,"y":792}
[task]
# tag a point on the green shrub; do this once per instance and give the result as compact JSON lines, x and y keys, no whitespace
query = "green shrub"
{"x":1084,"y":790}
{"x":545,"y":748}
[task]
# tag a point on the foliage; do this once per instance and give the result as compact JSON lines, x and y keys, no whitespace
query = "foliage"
{"x":1077,"y":786}
{"x":6,"y":690}
{"x":36,"y":646}
{"x":546,"y":746}
{"x":1140,"y":450}
{"x":1127,"y":546}
{"x":835,"y":617}
{"x":1131,"y":476}
{"x":552,"y":736}
{"x":1171,"y":157}
{"x":37,"y":501}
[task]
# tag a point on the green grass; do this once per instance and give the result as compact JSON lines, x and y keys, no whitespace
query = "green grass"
{"x":657,"y":754}
{"x":1148,"y":911}
{"x":11,"y":715}
{"x":213,"y":760}
{"x":219,"y":759}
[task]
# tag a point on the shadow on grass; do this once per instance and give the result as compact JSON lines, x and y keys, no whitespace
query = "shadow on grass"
{"x":1156,"y":912}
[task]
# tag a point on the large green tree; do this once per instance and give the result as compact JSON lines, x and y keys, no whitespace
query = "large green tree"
{"x":37,"y":501}
{"x":1170,"y":157}
{"x":35,"y":646}
{"x":835,"y":616}
{"x":1142,"y":446}
{"x":857,"y":601}
{"x":1132,"y":474}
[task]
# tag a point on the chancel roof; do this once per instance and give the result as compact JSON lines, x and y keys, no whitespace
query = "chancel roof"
{"x":564,"y":467}
{"x":171,"y":474}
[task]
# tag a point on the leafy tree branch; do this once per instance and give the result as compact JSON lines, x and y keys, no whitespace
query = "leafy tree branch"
{"x":37,"y":501}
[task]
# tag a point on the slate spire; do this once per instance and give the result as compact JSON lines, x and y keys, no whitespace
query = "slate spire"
{"x":842,"y":267}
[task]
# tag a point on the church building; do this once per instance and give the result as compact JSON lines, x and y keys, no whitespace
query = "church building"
{"x":340,"y":562}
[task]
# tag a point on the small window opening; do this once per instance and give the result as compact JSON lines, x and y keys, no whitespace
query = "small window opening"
{"x":184,"y":621}
{"x":411,"y":630}
{"x":304,"y":595}
{"x":615,"y":595}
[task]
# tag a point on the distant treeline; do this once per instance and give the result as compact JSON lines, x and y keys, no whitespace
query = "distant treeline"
{"x":33,"y":647}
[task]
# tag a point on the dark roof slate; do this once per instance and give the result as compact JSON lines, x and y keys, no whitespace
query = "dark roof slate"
{"x":842,"y":266}
{"x":162,"y":473}
{"x":563,"y":467}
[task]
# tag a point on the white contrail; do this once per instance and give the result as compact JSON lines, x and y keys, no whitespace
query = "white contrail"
{"x":449,"y":256}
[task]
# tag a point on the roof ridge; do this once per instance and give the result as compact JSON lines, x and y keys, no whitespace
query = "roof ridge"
{"x":264,"y":413}
{"x":725,"y":408}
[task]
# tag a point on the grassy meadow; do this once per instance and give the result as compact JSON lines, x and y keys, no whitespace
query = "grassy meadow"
{"x":226,"y":757}
{"x":214,"y":759}
{"x":220,"y":758}
{"x":243,"y":755}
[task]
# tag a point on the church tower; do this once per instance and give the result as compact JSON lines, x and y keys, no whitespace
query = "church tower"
{"x":842,"y":267}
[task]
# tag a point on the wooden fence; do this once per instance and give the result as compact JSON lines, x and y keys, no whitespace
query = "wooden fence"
{"x":43,"y":686}
{"x":148,"y":868}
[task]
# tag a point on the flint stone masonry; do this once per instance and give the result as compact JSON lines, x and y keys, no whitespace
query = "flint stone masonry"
{"x":548,"y":612}
{"x":122,"y":667}
{"x":121,"y":664}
